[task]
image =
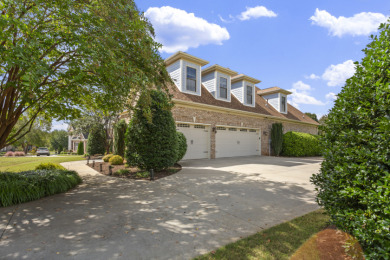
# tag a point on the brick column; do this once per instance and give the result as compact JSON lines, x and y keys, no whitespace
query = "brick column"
{"x":212,"y":141}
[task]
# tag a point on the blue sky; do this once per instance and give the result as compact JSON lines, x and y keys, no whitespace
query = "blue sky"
{"x":307,"y":47}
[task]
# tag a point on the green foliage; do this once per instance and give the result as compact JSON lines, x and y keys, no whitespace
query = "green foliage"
{"x":50,"y":166}
{"x":119,"y":138}
{"x":122,"y":172}
{"x":181,"y":146}
{"x":80,"y":148}
{"x":354,"y":182}
{"x":71,"y":55}
{"x":58,"y":140}
{"x":277,"y":138}
{"x":116,"y":160}
{"x":96,"y":140}
{"x":107,"y":157}
{"x":312,"y":116}
{"x":31,"y":185}
{"x":143,"y":174}
{"x":151,"y":136}
{"x":301,"y":144}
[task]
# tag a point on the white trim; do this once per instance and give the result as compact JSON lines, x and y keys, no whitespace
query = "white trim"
{"x":192,"y":123}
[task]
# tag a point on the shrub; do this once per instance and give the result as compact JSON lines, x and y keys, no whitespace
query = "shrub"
{"x":181,"y":146}
{"x":353,"y":184}
{"x":107,"y":157}
{"x":20,"y":154}
{"x":301,"y":144}
{"x":96,"y":140}
{"x":116,"y":160}
{"x":9,"y":154}
{"x":122,"y":172}
{"x":144,"y":174}
{"x":80,"y":148}
{"x":151,"y":135}
{"x":277,"y":138}
{"x":31,"y":185}
{"x":119,"y":138}
{"x":50,"y":166}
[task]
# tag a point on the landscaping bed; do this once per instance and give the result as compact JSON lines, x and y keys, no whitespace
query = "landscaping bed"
{"x":122,"y":171}
{"x":26,"y":186}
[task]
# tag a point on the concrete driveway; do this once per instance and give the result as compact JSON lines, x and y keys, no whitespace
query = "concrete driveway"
{"x":208,"y":204}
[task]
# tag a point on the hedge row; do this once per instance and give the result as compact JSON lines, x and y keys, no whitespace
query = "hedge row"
{"x":301,"y":144}
{"x":31,"y":185}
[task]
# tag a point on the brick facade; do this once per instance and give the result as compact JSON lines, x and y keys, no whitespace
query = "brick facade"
{"x":225,"y":118}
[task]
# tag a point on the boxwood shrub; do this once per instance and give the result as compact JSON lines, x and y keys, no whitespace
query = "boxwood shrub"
{"x":107,"y":157}
{"x":354,"y":182}
{"x":181,"y":146}
{"x":50,"y":166}
{"x":301,"y":144}
{"x":116,"y":160}
{"x":31,"y":185}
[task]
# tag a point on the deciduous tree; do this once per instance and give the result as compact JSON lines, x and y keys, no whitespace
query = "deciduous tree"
{"x":59,"y":57}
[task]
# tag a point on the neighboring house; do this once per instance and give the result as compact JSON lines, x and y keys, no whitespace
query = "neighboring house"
{"x":74,"y":140}
{"x":223,"y":113}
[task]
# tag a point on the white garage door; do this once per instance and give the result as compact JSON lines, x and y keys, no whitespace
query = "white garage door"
{"x":233,"y":142}
{"x":198,"y":143}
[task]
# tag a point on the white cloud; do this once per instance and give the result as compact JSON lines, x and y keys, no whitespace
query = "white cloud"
{"x":178,"y":30}
{"x":301,"y":95}
{"x":331,"y":96}
{"x":256,"y":12}
{"x":301,"y":86}
{"x":363,"y":23}
{"x":336,"y":75}
{"x":230,"y":20}
{"x":312,"y":76}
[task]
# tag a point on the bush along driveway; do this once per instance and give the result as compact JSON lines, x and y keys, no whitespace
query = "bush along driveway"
{"x":206,"y":205}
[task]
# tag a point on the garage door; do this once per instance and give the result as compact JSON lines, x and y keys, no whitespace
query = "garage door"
{"x":233,"y":142}
{"x":198,"y":143}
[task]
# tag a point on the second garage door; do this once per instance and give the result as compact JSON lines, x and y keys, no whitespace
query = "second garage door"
{"x":198,"y":143}
{"x":234,"y":142}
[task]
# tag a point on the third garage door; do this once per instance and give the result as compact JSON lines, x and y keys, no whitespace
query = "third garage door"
{"x":234,"y":142}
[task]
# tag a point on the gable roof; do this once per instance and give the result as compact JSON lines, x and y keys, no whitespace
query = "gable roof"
{"x":272,"y":90}
{"x":261,"y":107}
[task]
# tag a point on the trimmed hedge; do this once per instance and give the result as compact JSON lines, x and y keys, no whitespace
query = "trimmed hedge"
{"x":50,"y":166}
{"x":80,"y":148}
{"x":354,"y":182}
{"x":297,"y":144}
{"x":277,"y":138}
{"x":96,"y":140}
{"x":119,"y":138}
{"x":181,"y":146}
{"x":31,"y":185}
{"x":151,"y":136}
{"x":116,"y":160}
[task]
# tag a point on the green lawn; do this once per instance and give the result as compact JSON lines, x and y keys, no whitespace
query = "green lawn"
{"x":15,"y":164}
{"x":278,"y":242}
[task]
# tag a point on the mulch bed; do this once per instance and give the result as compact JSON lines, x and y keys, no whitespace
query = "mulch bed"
{"x":330,"y":243}
{"x":132,"y":171}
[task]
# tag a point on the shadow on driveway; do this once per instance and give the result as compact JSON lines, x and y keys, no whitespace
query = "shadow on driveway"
{"x":208,"y":204}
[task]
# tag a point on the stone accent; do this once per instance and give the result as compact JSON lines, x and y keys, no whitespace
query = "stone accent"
{"x":214,"y":118}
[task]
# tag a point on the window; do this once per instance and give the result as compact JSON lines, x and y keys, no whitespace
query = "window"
{"x":243,"y":130}
{"x":252,"y":130}
{"x":283,"y":104}
{"x":221,"y":128}
{"x":232,"y":129}
{"x":183,"y":125}
{"x":200,"y":126}
{"x":191,"y":79}
{"x":223,"y":87}
{"x":249,"y":95}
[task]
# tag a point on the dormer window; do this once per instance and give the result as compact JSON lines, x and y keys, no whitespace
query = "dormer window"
{"x":249,"y":95}
{"x":191,"y":79}
{"x":223,"y":87}
{"x":283,"y":108}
